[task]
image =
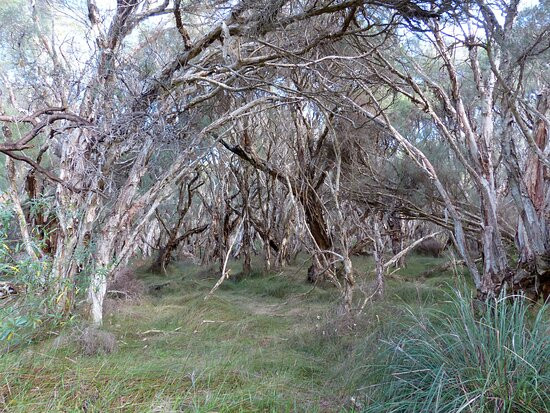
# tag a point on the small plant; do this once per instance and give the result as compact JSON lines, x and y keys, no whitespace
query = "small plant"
{"x":460,"y":361}
{"x":12,"y":325}
{"x":22,"y":315}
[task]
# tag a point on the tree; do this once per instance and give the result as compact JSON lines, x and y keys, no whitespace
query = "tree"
{"x":106,"y":121}
{"x":484,"y":128}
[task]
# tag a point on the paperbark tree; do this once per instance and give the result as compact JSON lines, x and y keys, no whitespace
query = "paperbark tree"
{"x":113,"y":126}
{"x":482,"y":127}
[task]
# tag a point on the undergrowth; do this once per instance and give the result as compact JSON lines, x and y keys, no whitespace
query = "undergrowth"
{"x":459,"y":359}
{"x":31,"y":310}
{"x":267,"y":343}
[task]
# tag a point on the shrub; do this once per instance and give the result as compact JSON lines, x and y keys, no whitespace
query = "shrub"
{"x":25,"y":306}
{"x":457,"y":360}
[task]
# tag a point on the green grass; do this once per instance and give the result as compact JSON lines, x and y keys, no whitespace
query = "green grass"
{"x":268,"y":343}
{"x":464,"y":357}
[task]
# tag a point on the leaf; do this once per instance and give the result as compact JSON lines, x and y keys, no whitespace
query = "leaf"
{"x":5,"y":334}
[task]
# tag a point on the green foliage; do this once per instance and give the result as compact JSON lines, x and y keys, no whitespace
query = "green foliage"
{"x":11,"y":326}
{"x":454,"y":360}
{"x":20,"y":323}
{"x":29,"y":316}
{"x":5,"y":216}
{"x":22,"y":316}
{"x":14,"y":264}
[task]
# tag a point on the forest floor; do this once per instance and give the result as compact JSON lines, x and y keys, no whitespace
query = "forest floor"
{"x":270,"y":342}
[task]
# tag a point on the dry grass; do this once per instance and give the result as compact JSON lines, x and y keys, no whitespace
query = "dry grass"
{"x":93,"y":341}
{"x":126,"y":285}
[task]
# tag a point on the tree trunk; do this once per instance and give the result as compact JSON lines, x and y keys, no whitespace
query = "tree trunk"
{"x":349,"y":284}
{"x":245,"y":195}
{"x":246,"y":249}
{"x":378,"y":253}
{"x":318,"y":230}
{"x":531,"y":193}
{"x":14,"y":195}
{"x":396,"y":236}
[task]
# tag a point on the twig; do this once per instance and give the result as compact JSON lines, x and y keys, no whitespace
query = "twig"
{"x":225,"y":273}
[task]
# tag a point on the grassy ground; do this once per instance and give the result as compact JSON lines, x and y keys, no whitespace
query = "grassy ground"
{"x":266,"y":343}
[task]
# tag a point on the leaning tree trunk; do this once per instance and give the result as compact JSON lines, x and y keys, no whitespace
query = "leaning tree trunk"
{"x":116,"y":231}
{"x":172,"y":243}
{"x":309,"y":200}
{"x":165,"y":254}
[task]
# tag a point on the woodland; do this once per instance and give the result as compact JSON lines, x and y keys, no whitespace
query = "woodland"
{"x":274,"y":205}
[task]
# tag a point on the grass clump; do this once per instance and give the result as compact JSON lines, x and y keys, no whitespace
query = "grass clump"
{"x":93,"y":341}
{"x":459,"y":360}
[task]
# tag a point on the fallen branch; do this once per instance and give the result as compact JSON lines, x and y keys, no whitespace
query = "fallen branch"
{"x":152,"y":332}
{"x":225,"y":273}
{"x":117,"y":293}
{"x":406,"y":250}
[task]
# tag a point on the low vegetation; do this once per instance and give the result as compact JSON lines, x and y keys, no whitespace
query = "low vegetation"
{"x":458,"y":358}
{"x":272,"y":342}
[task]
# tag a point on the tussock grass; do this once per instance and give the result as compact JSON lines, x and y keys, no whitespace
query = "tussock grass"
{"x":459,"y":359}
